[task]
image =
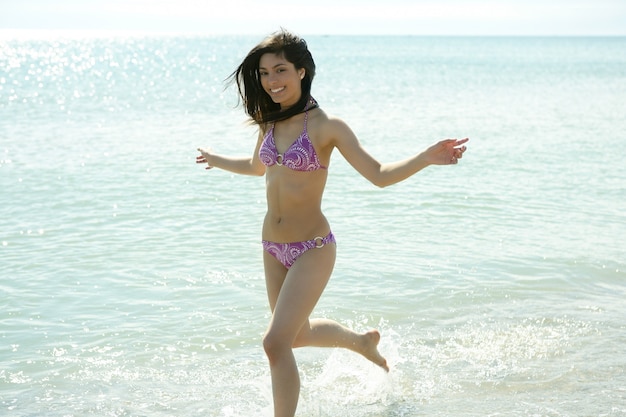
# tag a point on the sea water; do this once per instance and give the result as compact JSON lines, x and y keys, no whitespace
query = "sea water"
{"x":131,"y":279}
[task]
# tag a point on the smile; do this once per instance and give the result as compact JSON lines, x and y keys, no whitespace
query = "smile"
{"x":277,"y":90}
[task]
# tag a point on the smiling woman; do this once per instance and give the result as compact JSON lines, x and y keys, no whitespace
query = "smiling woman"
{"x":278,"y":78}
{"x":274,"y":82}
{"x":131,"y":284}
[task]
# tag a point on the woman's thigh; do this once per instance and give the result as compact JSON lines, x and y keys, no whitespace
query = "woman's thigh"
{"x":275,"y":274}
{"x":300,"y":290}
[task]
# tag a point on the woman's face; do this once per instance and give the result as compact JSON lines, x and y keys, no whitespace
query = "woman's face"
{"x":280,"y":79}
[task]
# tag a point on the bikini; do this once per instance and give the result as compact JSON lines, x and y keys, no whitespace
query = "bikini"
{"x":288,"y":253}
{"x":300,"y":156}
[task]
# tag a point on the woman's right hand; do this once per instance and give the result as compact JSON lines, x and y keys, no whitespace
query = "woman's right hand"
{"x":204,"y":157}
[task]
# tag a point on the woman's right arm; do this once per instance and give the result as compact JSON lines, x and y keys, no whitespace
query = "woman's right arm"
{"x":250,"y":165}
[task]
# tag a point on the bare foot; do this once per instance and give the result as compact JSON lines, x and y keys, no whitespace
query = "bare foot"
{"x":369,"y":349}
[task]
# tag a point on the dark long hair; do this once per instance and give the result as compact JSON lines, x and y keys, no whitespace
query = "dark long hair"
{"x":257,"y":103}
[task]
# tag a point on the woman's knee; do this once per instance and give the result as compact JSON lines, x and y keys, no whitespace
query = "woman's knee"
{"x":275,"y":345}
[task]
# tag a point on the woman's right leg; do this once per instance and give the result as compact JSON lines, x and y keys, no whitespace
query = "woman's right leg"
{"x":292,"y":294}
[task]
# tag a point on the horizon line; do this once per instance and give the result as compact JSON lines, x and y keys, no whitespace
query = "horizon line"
{"x":26,"y":33}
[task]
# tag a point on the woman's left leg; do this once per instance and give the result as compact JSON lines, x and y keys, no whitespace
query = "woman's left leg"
{"x":329,"y":333}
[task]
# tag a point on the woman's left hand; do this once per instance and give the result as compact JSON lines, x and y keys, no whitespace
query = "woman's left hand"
{"x":447,"y":151}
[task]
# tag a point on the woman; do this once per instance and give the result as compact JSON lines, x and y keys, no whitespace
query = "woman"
{"x":274,"y":82}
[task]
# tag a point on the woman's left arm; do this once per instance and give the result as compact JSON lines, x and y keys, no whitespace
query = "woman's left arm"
{"x":445,"y":152}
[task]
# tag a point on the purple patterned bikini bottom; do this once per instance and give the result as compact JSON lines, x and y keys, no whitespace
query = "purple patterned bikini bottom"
{"x":288,"y":253}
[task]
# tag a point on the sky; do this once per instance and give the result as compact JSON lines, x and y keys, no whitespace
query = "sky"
{"x":325,"y":17}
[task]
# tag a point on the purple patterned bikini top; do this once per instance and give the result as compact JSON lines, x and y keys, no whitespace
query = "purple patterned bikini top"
{"x":300,"y":156}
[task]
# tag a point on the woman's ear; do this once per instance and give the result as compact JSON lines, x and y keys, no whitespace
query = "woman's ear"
{"x":302,"y":72}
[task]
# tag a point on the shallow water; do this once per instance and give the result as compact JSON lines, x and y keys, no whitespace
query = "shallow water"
{"x":131,"y":279}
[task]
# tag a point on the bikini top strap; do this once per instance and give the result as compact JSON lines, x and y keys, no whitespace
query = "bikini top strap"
{"x":306,"y":112}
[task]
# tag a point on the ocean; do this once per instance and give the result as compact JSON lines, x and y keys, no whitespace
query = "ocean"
{"x":131,"y":279}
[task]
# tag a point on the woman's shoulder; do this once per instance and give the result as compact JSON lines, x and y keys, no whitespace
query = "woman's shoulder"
{"x":329,"y":129}
{"x":327,"y":123}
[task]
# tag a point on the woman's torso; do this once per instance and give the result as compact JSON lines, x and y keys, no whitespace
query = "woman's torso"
{"x":294,"y":197}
